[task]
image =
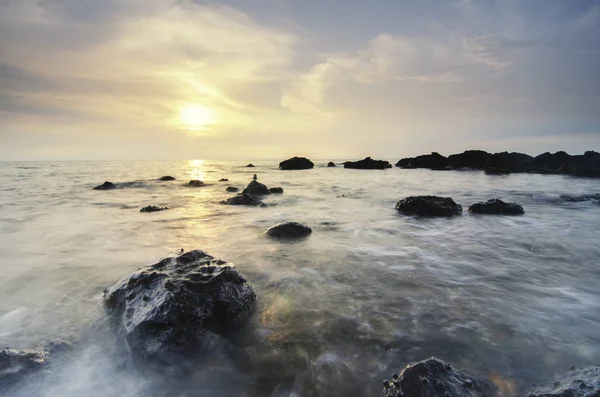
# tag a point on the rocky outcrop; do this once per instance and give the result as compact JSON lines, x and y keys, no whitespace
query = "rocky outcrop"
{"x":276,"y":190}
{"x":368,"y":164}
{"x":166,"y":178}
{"x":232,"y":189}
{"x":404,"y":163}
{"x":187,"y":305}
{"x":250,"y":165}
{"x":428,"y":206}
{"x":435,"y":378}
{"x":153,"y":208}
{"x":256,"y":188}
{"x":289,"y":230}
{"x":473,"y":159}
{"x":296,"y":163}
{"x":106,"y":186}
{"x":433,"y":161}
{"x":223,"y":180}
{"x":331,"y":164}
{"x":579,"y":382}
{"x":496,"y":207}
{"x":196,"y":183}
{"x":513,"y":162}
{"x":244,"y":199}
{"x":15,"y":364}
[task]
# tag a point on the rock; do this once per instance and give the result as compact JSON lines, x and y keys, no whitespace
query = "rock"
{"x":428,"y":206}
{"x":105,"y":186}
{"x":276,"y":190}
{"x":256,"y":188}
{"x":434,"y":161}
{"x":497,"y":171}
{"x":196,"y":183}
{"x":331,"y":164}
{"x":250,"y":165}
{"x":232,"y":189}
{"x":153,"y":208}
{"x":474,"y":159}
{"x":496,"y":207}
{"x":552,"y":162}
{"x":580,"y":382}
{"x":244,"y":199}
{"x":186,"y":305}
{"x":368,"y":164}
{"x":405,"y":162}
{"x":585,"y":171}
{"x":513,"y":162}
{"x":296,"y":163}
{"x":166,"y":178}
{"x":577,"y":199}
{"x":223,"y":180}
{"x":435,"y":378}
{"x":289,"y":230}
{"x":15,"y":364}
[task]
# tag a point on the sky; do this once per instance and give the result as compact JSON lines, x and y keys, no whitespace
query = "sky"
{"x":242,"y":79}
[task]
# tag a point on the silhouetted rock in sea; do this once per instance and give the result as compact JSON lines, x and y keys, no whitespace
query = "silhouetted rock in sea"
{"x":296,"y":163}
{"x":250,"y":165}
{"x":289,"y":230}
{"x":579,"y":382}
{"x":196,"y":183}
{"x":428,"y":206}
{"x":331,"y":164}
{"x":368,"y":164}
{"x":435,"y":378}
{"x":433,"y":161}
{"x":232,"y":189}
{"x":496,"y":207}
{"x":514,"y":162}
{"x":474,"y":159}
{"x":276,"y":190}
{"x":223,"y":180}
{"x":15,"y":364}
{"x":166,"y":178}
{"x":153,"y":208}
{"x":256,"y":188}
{"x":105,"y":186}
{"x":244,"y":199}
{"x":182,"y":306}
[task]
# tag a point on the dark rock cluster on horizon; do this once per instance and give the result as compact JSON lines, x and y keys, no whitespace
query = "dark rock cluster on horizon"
{"x":368,"y":164}
{"x":296,"y":163}
{"x":428,"y":206}
{"x":496,"y":207}
{"x":289,"y":230}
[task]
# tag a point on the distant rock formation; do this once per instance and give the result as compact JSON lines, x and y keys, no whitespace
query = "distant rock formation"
{"x":434,"y":161}
{"x":153,"y":208}
{"x":296,"y":163}
{"x":428,"y":206}
{"x":166,"y":178}
{"x":223,"y":180}
{"x":250,"y":165}
{"x":331,"y":164}
{"x":496,"y":207}
{"x":105,"y":186}
{"x":368,"y":164}
{"x":289,"y":230}
{"x":472,"y":159}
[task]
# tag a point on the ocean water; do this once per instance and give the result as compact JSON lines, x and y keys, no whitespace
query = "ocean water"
{"x":513,"y":299}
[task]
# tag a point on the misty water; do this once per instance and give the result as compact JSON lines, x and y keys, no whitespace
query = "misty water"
{"x":514,"y":299}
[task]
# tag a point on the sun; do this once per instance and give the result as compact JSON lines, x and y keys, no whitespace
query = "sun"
{"x":196,"y":116}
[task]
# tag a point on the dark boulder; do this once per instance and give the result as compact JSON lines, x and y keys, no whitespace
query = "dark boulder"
{"x":434,"y":161}
{"x":232,"y":189}
{"x":435,"y":378}
{"x":256,"y":188}
{"x":15,"y":364}
{"x":223,"y":180}
{"x":289,"y":230}
{"x":187,"y":305}
{"x":276,"y":190}
{"x":496,"y":207}
{"x":296,"y":163}
{"x":250,"y":165}
{"x":368,"y":164}
{"x":405,"y":162}
{"x":196,"y":183}
{"x":475,"y":159}
{"x":331,"y":164}
{"x":166,"y":178}
{"x":428,"y":206}
{"x":513,"y":162}
{"x":244,"y":199}
{"x":579,"y":382}
{"x":105,"y":186}
{"x":552,"y":161}
{"x":153,"y":208}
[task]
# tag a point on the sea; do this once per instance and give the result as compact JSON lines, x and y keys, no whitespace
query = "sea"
{"x":512,"y":299}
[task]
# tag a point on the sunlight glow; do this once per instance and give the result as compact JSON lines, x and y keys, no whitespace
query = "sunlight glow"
{"x":196,"y":116}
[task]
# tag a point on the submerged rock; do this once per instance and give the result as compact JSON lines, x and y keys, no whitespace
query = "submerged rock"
{"x":105,"y":186}
{"x":166,"y":178}
{"x":580,"y":382}
{"x":153,"y":208}
{"x":435,"y":378}
{"x":428,"y":206}
{"x":250,"y":165}
{"x":368,"y":164}
{"x":181,"y":306}
{"x":276,"y":190}
{"x":232,"y":189}
{"x":331,"y":164}
{"x":14,"y":364}
{"x":223,"y":180}
{"x":289,"y":230}
{"x":296,"y":163}
{"x":577,"y":199}
{"x":196,"y":183}
{"x":244,"y":199}
{"x":256,"y":188}
{"x":496,"y":207}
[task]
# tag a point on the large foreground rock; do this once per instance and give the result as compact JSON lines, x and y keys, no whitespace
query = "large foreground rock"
{"x":244,"y":199}
{"x":435,"y":378}
{"x":580,"y":382}
{"x":368,"y":164}
{"x":106,"y":186}
{"x":296,"y":163}
{"x":496,"y":207}
{"x":289,"y":230}
{"x":256,"y":188}
{"x":181,"y":306}
{"x":428,"y":206}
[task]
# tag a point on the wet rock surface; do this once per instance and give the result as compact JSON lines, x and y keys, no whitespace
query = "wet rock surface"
{"x":196,"y":183}
{"x":15,"y":364}
{"x":289,"y":230}
{"x":166,"y":178}
{"x":187,"y":305}
{"x":106,"y":186}
{"x":153,"y":208}
{"x":579,"y":382}
{"x":368,"y":164}
{"x":244,"y":199}
{"x":496,"y":207}
{"x":296,"y":163}
{"x":428,"y":206}
{"x":232,"y":189}
{"x":331,"y":164}
{"x":276,"y":190}
{"x":435,"y":378}
{"x":256,"y":188}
